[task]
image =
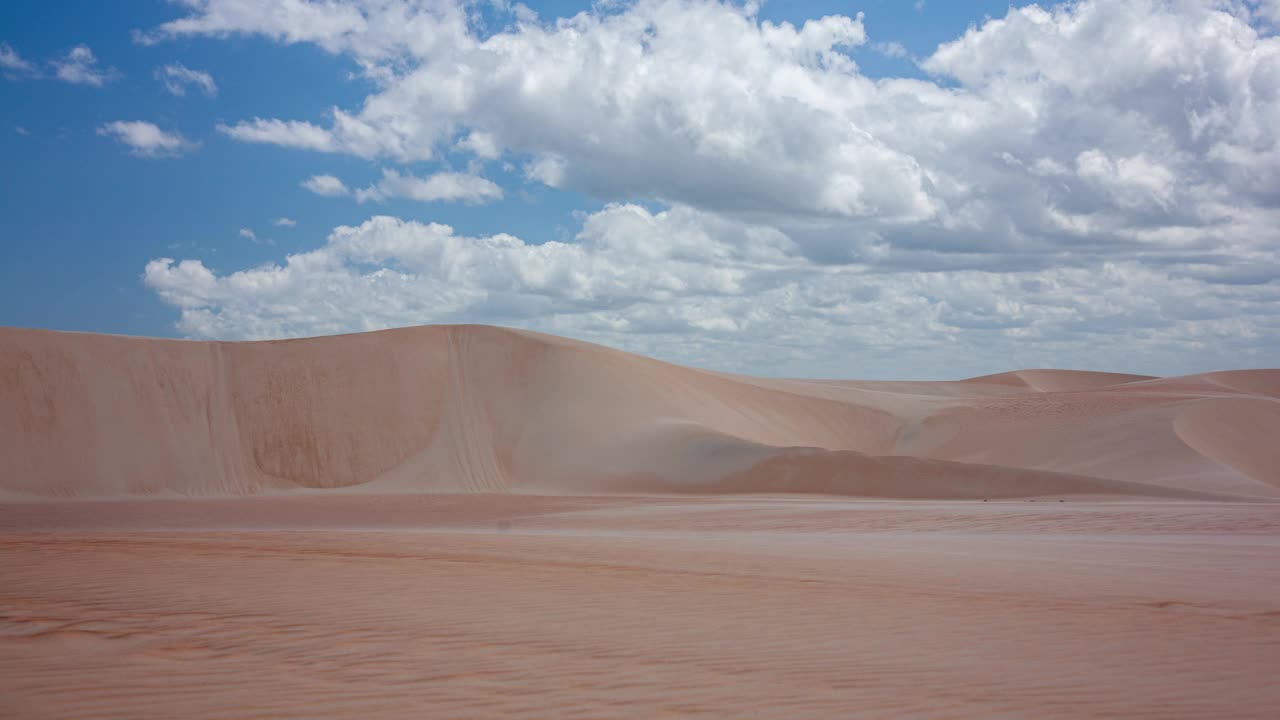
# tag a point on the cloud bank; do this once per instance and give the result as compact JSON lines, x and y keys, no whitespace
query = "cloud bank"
{"x":1083,"y":175}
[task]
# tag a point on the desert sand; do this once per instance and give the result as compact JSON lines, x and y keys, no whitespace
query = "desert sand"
{"x":465,"y":521}
{"x":473,"y":409}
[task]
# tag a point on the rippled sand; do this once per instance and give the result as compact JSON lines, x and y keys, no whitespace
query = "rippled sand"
{"x":481,"y":606}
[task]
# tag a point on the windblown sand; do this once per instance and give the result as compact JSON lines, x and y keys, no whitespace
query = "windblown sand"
{"x":479,"y":606}
{"x":460,"y":522}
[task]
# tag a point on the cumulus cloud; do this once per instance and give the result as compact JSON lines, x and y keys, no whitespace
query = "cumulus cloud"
{"x":146,"y":139}
{"x":284,"y":222}
{"x":694,"y":287}
{"x":248,"y":234}
{"x":1062,"y":175}
{"x":80,"y":67}
{"x":440,"y":187}
{"x":326,"y":185}
{"x":176,"y":78}
{"x":775,"y":121}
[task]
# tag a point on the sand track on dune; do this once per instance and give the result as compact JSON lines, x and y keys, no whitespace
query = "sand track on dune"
{"x":448,"y":409}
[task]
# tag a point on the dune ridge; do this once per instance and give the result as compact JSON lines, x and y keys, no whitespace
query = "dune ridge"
{"x":477,"y":409}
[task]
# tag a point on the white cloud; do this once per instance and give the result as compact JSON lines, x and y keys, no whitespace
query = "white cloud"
{"x":80,"y":67}
{"x":370,"y":29}
{"x":326,"y":185}
{"x":176,"y":77}
{"x":21,"y":130}
{"x":277,"y":132}
{"x":284,"y":222}
{"x":773,"y":122}
{"x":146,"y":139}
{"x":481,"y":144}
{"x":248,"y":234}
{"x":440,"y":187}
{"x":1065,"y":174}
{"x":589,"y":107}
{"x":12,"y":63}
{"x":692,"y":287}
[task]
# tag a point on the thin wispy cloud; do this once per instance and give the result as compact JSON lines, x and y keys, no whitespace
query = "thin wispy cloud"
{"x":12,"y":65}
{"x":176,"y":78}
{"x":440,"y":187}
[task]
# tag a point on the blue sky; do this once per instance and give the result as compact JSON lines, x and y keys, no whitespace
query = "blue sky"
{"x":856,"y":201}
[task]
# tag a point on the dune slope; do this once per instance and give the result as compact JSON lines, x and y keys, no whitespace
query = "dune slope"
{"x":465,"y":409}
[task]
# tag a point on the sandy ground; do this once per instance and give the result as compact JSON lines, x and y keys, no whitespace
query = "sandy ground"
{"x":509,"y":606}
{"x":468,"y":521}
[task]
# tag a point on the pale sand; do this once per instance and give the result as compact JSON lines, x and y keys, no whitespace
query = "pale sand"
{"x":480,"y":606}
{"x":461,"y":409}
{"x":474,"y":522}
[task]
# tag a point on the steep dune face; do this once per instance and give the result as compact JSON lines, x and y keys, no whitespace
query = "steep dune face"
{"x":481,"y":409}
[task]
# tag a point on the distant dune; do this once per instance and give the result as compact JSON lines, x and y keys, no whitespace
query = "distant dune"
{"x":474,"y":409}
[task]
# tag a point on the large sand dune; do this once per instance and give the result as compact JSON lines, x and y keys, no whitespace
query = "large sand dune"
{"x":473,"y":409}
{"x":400,"y":525}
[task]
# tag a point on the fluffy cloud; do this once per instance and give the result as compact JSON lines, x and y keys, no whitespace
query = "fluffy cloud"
{"x":177,"y":77}
{"x":444,"y":186}
{"x":284,"y":222}
{"x":1045,"y":132}
{"x":146,"y":139}
{"x":326,"y":185}
{"x":1064,"y":176}
{"x":80,"y":67}
{"x":693,"y":287}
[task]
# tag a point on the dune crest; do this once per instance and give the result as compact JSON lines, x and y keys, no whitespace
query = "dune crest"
{"x":475,"y":409}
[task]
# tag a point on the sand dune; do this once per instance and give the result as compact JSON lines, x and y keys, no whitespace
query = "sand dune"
{"x":464,"y":522}
{"x":473,"y":409}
